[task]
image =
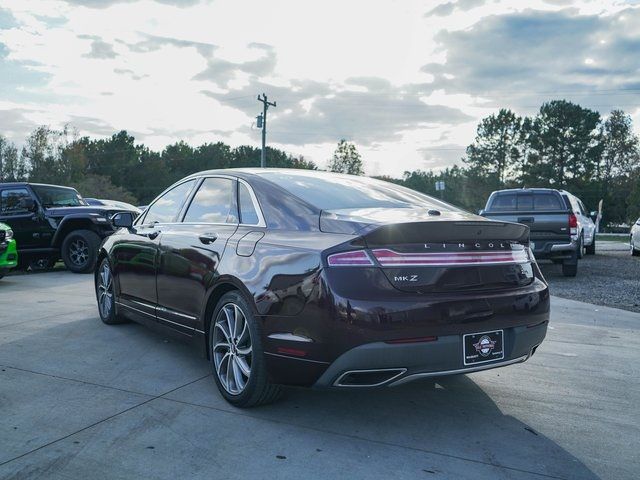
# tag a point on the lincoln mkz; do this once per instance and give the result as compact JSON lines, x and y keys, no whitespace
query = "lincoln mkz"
{"x":315,"y":279}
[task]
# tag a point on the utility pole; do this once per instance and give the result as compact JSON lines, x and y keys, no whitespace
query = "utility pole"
{"x":265,"y":105}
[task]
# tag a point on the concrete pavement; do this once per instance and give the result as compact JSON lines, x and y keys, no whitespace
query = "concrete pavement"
{"x":79,"y":399}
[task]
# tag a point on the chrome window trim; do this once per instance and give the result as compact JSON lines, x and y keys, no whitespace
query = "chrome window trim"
{"x":199,"y":179}
{"x":166,"y":190}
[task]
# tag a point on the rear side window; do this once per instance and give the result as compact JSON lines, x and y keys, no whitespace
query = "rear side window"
{"x":512,"y":202}
{"x":248,"y":214}
{"x":13,"y":201}
{"x":213,"y":202}
{"x":166,"y":208}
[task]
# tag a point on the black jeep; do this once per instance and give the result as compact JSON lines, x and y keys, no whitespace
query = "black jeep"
{"x":50,"y":222}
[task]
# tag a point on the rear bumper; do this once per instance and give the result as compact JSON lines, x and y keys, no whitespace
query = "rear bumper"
{"x":402,"y":363}
{"x":554,"y":249}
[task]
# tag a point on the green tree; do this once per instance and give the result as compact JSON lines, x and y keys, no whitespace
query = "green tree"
{"x":346,"y":159}
{"x":563,"y":145}
{"x":12,"y":168}
{"x":498,"y":145}
{"x":620,"y":154}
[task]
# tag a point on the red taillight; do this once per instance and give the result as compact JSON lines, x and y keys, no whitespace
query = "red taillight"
{"x":355,"y":258}
{"x":390,"y":258}
{"x":573,"y":221}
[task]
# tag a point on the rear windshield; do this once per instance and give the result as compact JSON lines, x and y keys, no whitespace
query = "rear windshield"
{"x":328,"y":191}
{"x":526,"y":202}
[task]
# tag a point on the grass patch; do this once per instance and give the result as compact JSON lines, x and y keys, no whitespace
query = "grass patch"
{"x":607,"y":237}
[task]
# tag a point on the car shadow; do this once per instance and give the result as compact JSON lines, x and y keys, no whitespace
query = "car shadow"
{"x":450,"y":419}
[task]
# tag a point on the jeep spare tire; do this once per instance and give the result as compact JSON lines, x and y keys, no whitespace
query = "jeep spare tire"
{"x":79,"y":251}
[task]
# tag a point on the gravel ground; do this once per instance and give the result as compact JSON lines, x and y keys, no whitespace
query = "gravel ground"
{"x":611,"y":278}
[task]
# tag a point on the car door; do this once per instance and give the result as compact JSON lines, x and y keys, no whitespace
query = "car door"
{"x":191,"y":250}
{"x":28,"y":225}
{"x":589,"y":228}
{"x":135,"y":254}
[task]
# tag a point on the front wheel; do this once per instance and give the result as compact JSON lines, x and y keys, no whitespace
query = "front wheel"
{"x":105,"y":295}
{"x":591,"y":249}
{"x":79,"y":251}
{"x":237,"y":356}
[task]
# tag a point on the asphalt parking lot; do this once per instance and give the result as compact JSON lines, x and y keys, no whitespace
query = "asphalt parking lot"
{"x":80,"y":400}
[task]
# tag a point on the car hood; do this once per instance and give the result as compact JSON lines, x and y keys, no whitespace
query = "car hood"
{"x":84,"y":210}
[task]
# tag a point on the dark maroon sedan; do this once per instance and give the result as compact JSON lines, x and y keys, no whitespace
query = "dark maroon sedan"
{"x":289,"y":277}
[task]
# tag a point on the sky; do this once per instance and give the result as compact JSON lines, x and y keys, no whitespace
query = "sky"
{"x":406,"y":81}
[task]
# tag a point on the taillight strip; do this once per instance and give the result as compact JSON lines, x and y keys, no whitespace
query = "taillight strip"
{"x":389,"y":258}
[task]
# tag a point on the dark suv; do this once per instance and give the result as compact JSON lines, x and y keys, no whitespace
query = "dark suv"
{"x":52,"y":222}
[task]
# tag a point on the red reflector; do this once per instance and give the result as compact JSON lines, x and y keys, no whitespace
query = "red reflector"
{"x":413,"y":340}
{"x":356,"y":258}
{"x":292,"y":351}
{"x":573,"y":221}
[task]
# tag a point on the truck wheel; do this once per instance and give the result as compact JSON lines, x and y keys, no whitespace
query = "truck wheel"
{"x":79,"y":250}
{"x":591,"y":249}
{"x":580,"y":247}
{"x":569,"y":269}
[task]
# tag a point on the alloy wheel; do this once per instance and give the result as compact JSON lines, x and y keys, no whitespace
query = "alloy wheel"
{"x":105,"y":290}
{"x":79,"y":252}
{"x":231,"y":349}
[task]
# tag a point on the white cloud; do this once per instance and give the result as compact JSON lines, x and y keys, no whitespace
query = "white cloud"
{"x":405,"y":79}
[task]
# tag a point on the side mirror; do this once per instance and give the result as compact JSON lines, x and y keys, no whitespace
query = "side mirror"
{"x":122,"y":220}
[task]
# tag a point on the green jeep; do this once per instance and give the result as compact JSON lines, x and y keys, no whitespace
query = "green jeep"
{"x":8,"y":251}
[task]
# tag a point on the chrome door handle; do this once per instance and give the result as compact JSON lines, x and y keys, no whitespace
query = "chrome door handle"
{"x":208,"y":238}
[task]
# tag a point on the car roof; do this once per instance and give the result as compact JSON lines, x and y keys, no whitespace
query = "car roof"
{"x":24,"y":184}
{"x":529,"y":190}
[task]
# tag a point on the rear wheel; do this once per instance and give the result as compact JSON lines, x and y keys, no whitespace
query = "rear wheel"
{"x":237,"y":356}
{"x":634,"y":251}
{"x":591,"y":249}
{"x":580,"y":247}
{"x":79,"y":250}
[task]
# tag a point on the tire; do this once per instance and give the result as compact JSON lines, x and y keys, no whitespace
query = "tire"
{"x":240,"y":371}
{"x":634,"y":251}
{"x":569,"y":269}
{"x":581,"y":247}
{"x":105,"y":295}
{"x":591,"y":249}
{"x":79,"y":251}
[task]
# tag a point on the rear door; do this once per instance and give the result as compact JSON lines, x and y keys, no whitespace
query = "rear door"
{"x":191,"y":250}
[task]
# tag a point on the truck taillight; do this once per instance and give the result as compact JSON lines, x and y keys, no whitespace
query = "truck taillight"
{"x":573,"y":224}
{"x":354,"y":258}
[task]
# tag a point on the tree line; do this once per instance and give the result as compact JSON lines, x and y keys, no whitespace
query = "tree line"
{"x":563,"y":146}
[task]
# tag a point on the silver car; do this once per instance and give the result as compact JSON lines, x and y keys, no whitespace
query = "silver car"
{"x":634,"y":240}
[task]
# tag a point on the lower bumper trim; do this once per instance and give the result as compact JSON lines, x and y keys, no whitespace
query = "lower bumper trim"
{"x":416,"y":376}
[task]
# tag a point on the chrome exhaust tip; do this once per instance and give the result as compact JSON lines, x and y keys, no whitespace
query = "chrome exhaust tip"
{"x":368,"y":378}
